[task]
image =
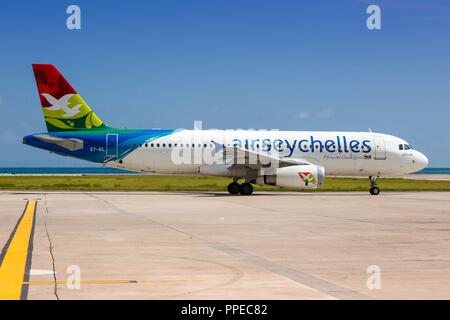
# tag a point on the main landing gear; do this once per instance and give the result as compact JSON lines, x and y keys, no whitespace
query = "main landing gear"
{"x":374,"y":190}
{"x":244,"y":189}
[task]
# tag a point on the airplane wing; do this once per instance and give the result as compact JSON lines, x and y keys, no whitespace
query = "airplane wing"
{"x":238,"y":156}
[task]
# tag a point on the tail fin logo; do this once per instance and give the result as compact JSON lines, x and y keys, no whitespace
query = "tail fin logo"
{"x":62,"y":104}
{"x":63,"y":107}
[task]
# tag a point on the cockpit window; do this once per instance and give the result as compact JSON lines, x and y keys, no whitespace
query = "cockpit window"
{"x":400,"y":147}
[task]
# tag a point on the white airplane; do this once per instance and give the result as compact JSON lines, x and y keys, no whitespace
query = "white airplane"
{"x":293,"y":159}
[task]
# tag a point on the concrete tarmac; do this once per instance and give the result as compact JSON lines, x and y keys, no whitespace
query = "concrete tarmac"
{"x":206,"y":245}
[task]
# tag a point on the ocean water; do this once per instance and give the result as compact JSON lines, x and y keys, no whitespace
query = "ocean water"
{"x":435,"y":171}
{"x":107,"y":170}
{"x":67,"y":170}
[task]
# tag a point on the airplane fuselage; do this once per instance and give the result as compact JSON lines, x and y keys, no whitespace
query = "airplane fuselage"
{"x":193,"y":151}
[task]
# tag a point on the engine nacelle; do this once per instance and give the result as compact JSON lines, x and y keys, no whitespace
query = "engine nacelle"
{"x":301,"y":176}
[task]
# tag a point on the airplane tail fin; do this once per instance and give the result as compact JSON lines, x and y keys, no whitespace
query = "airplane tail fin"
{"x":63,"y":107}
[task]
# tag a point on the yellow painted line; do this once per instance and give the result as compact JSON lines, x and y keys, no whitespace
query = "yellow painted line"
{"x":81,"y":282}
{"x":16,"y":255}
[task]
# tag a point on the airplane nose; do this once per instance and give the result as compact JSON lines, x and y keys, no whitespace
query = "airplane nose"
{"x":420,"y":161}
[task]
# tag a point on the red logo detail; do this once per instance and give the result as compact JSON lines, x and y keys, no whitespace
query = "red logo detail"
{"x":50,"y":80}
{"x":303,"y":175}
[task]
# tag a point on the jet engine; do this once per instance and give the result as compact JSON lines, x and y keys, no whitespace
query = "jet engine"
{"x":301,"y":176}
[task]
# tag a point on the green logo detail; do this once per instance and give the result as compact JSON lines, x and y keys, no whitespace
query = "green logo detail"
{"x":70,"y":112}
{"x":307,"y":178}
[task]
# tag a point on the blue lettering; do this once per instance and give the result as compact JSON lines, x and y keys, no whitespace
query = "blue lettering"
{"x":278,"y":145}
{"x":300,"y":146}
{"x":266,"y":145}
{"x":253,"y":143}
{"x":365,"y":146}
{"x":237,"y":143}
{"x":314,"y":142}
{"x":339,"y":144}
{"x":291,"y":147}
{"x":246,"y":144}
{"x":354,"y":146}
{"x":345,"y":144}
{"x":330,"y":146}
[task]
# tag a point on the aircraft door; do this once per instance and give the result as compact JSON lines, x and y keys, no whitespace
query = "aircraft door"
{"x":380,"y":147}
{"x":112,"y":145}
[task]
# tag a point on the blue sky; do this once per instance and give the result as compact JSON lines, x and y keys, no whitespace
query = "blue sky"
{"x":290,"y":65}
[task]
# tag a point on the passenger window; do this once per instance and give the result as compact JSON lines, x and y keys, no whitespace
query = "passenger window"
{"x":164,"y":145}
{"x":157,"y":145}
{"x":146,"y":145}
{"x":151,"y":145}
{"x":400,"y":147}
{"x":170,"y":145}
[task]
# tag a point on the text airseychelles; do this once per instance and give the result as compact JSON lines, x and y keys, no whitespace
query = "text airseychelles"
{"x":340,"y":144}
{"x":280,"y":147}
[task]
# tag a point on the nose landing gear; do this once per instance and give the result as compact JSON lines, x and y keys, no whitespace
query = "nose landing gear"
{"x":374,"y":190}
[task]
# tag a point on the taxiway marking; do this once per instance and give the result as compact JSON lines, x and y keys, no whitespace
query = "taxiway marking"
{"x":15,"y":257}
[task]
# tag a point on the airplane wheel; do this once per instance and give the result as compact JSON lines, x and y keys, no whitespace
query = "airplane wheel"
{"x":374,"y":191}
{"x":234,"y":188}
{"x":246,"y":189}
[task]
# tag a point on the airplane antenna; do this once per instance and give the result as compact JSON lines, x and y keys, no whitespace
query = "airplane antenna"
{"x":370,"y":130}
